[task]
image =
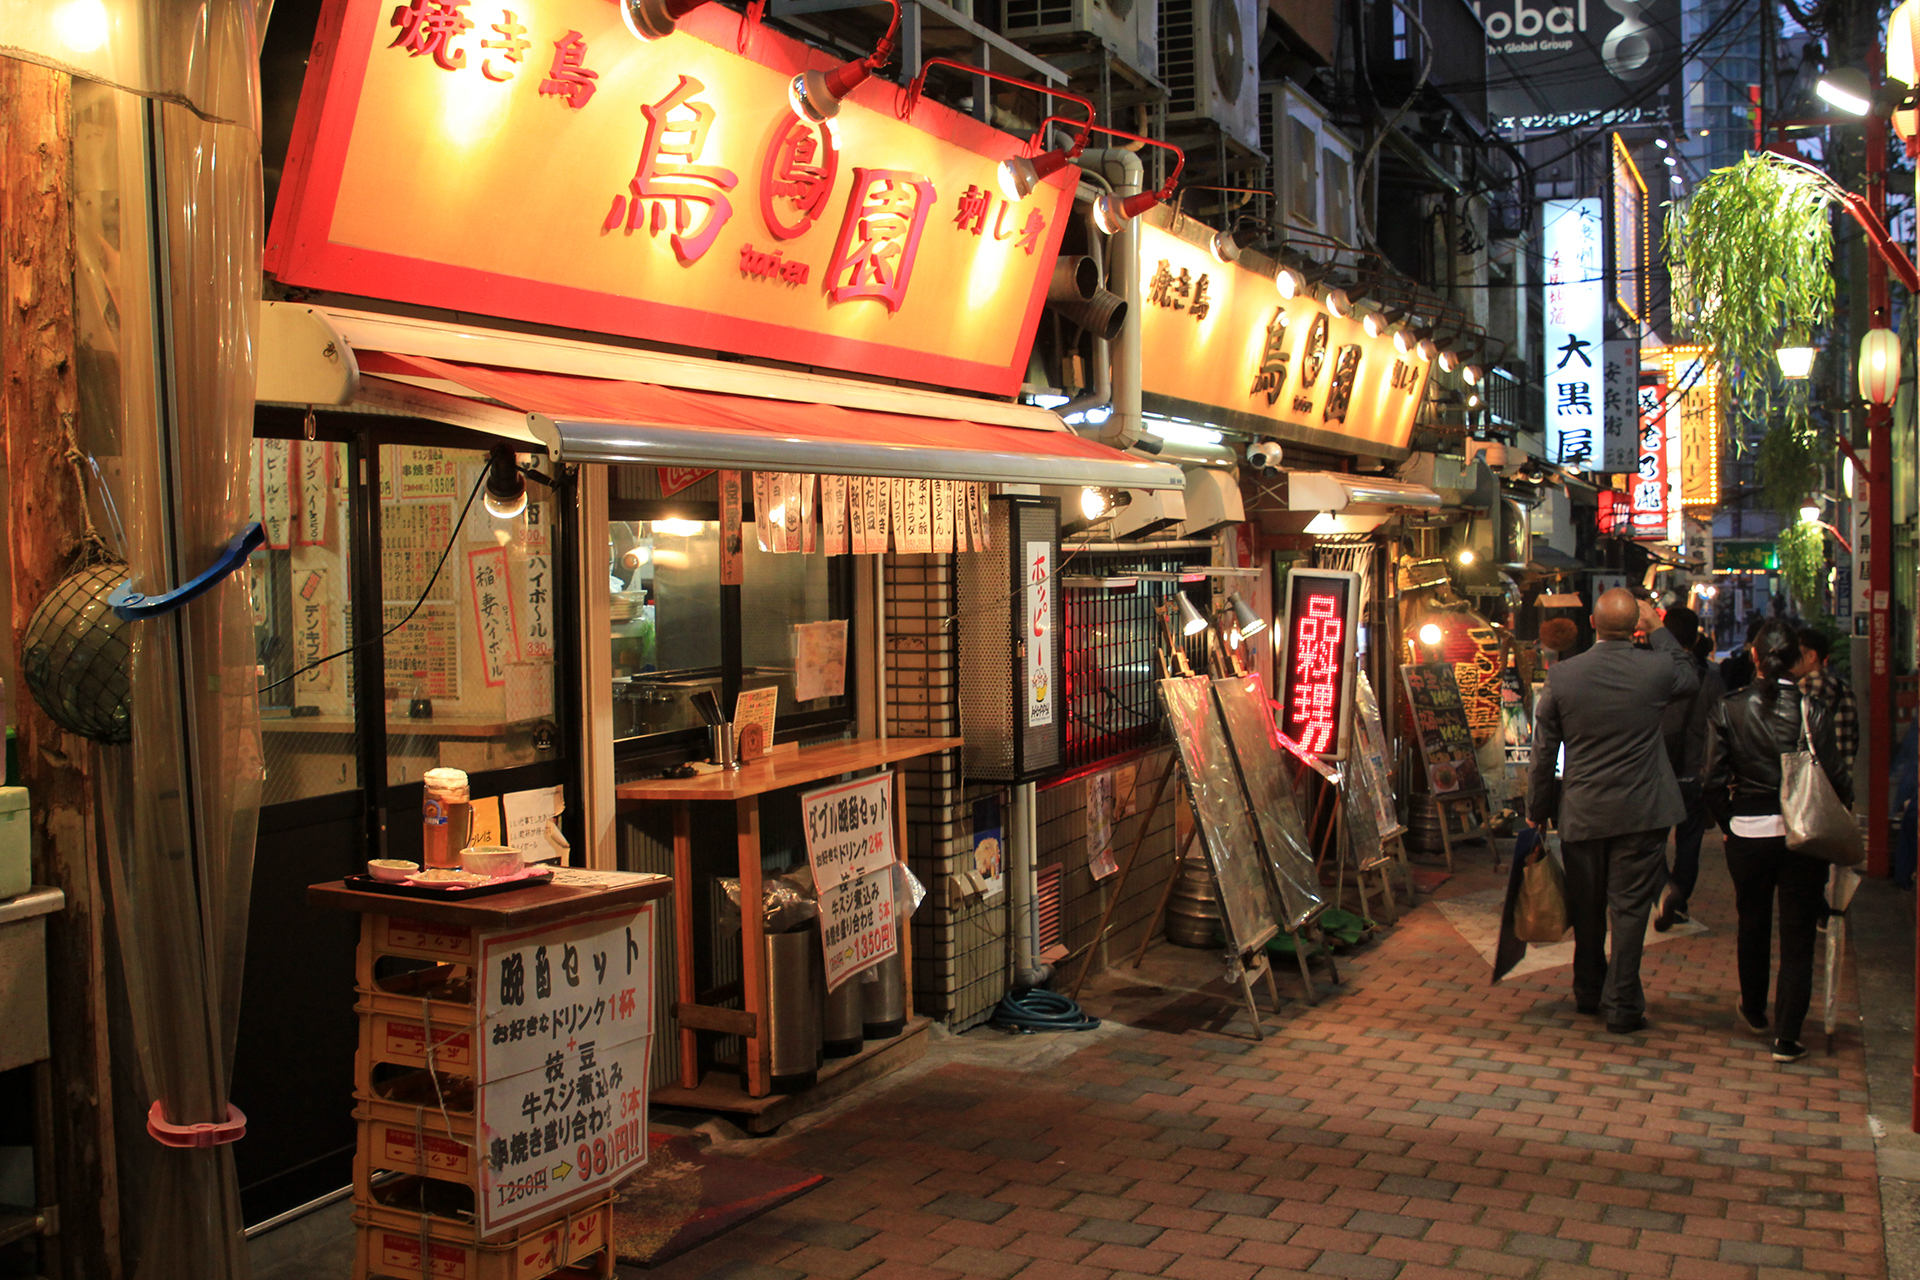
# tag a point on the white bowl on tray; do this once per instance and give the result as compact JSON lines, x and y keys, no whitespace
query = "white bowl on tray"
{"x":491,"y":860}
{"x":392,"y":870}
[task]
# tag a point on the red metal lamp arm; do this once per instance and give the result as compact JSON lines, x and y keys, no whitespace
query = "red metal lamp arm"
{"x":919,"y":85}
{"x":1179,"y":157}
{"x":1882,"y":240}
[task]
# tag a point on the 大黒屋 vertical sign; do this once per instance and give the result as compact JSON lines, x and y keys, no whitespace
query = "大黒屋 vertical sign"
{"x":565,"y":1037}
{"x":1039,"y":634}
{"x":1576,"y":307}
{"x":849,"y":831}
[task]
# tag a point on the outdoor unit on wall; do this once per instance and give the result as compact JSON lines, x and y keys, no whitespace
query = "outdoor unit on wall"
{"x":1209,"y":61}
{"x":1131,"y":28}
{"x":1311,"y":163}
{"x":1012,"y":714}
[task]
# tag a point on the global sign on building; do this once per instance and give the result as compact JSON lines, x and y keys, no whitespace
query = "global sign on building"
{"x":1617,"y":60}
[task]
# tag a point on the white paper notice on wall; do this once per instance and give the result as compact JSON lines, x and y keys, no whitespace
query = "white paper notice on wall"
{"x":819,"y":660}
{"x":315,"y":466}
{"x":494,"y":612}
{"x":275,"y":471}
{"x":532,"y":822}
{"x":833,"y":515}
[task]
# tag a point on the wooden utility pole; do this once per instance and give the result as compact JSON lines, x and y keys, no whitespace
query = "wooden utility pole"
{"x":46,"y":519}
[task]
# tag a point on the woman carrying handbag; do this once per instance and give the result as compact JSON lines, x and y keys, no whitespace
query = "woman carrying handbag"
{"x":1748,"y":733}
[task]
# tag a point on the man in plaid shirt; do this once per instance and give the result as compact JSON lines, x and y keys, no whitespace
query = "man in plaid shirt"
{"x":1818,"y":679}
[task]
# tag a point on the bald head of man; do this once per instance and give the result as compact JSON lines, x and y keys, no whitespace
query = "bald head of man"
{"x":1616,"y":614}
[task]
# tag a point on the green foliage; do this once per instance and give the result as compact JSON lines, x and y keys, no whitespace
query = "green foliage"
{"x":1803,"y":562}
{"x":1751,"y":256}
{"x":1789,"y":463}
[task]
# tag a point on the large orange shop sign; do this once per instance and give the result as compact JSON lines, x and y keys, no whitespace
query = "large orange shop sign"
{"x":532,"y":160}
{"x":1219,"y":343}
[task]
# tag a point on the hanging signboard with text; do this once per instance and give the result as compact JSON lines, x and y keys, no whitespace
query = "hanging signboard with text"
{"x":1694,"y":377}
{"x":1220,"y":345}
{"x":1317,"y":655}
{"x":1573,"y":263}
{"x":538,"y":163}
{"x":1556,"y":63}
{"x":849,"y":830}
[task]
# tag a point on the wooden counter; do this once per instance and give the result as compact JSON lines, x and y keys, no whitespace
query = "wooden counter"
{"x":535,"y":905}
{"x":790,"y":769}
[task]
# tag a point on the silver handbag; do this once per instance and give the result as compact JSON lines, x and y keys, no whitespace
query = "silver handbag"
{"x":1818,"y":825}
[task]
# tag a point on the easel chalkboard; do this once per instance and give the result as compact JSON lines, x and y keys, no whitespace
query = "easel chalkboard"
{"x":1439,"y":724}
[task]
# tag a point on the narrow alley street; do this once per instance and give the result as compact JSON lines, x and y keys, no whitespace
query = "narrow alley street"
{"x":1416,"y":1124}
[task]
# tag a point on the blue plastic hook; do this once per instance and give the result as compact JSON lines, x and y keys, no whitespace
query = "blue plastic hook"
{"x":130,"y":604}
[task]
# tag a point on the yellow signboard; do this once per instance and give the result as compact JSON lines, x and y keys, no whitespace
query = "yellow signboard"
{"x":537,"y":162}
{"x":1694,"y":377}
{"x":1220,"y":345}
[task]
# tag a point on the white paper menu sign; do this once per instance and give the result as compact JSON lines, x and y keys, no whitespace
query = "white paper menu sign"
{"x":493,"y":612}
{"x":857,"y":925}
{"x":849,"y":833}
{"x":276,"y":491}
{"x":809,"y":484}
{"x":762,"y":506}
{"x":942,"y":517}
{"x":530,"y":818}
{"x":833,"y":515}
{"x":857,"y":515}
{"x":567,"y":1017}
{"x":316,"y":492}
{"x":919,"y":510}
{"x":879,"y":500}
{"x":983,"y":527}
{"x":819,"y":660}
{"x":756,"y":706}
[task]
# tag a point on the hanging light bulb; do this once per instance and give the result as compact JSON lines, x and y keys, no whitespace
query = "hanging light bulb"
{"x":1466,"y":557}
{"x":1430,"y":634}
{"x":1093,"y":503}
{"x":1795,"y":362}
{"x":1249,"y":622}
{"x":506,"y":491}
{"x":1192,"y":621}
{"x":1879,"y":366}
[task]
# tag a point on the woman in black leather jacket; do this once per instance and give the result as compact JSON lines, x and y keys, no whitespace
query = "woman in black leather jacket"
{"x":1746,"y":734}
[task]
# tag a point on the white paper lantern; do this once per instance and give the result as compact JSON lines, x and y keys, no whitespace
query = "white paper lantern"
{"x":1879,"y":366}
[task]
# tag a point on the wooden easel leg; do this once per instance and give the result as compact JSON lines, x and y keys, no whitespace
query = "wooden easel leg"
{"x":1253,"y":1009}
{"x":1306,"y":979}
{"x":1273,"y":988}
{"x":1113,"y":895}
{"x":1446,"y":829}
{"x":1166,"y":895}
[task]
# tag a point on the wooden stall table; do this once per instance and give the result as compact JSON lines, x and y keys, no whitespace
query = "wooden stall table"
{"x":501,"y":1078}
{"x":743,"y":787}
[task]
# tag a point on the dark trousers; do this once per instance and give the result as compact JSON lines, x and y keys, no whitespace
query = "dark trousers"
{"x":1760,"y":868}
{"x":1686,"y":842}
{"x":1612,"y":880}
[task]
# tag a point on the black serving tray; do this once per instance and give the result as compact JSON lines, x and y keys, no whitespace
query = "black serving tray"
{"x":367,"y":884}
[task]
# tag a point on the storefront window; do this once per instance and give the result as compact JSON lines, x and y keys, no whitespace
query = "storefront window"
{"x":678,"y":633}
{"x":470,"y":676}
{"x":302,"y":613}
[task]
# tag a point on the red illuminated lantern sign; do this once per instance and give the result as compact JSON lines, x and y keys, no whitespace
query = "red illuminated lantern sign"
{"x":1317,"y":660}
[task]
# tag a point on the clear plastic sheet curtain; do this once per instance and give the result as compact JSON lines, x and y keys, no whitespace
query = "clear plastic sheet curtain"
{"x":1220,"y":808}
{"x":1255,"y":740}
{"x":167,"y":218}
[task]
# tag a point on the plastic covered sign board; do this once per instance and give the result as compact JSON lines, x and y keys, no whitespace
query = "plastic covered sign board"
{"x":1256,"y":747}
{"x":1227,"y":831}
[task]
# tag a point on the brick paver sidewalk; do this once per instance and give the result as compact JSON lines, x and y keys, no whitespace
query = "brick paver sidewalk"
{"x":1420,"y":1124}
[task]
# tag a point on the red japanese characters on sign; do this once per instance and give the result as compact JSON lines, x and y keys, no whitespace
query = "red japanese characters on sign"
{"x":1316,"y":687}
{"x":1647,"y":496}
{"x":624,"y":165}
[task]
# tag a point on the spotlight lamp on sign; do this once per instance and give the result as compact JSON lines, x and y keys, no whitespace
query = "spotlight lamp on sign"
{"x":1111,"y":212}
{"x":655,"y":19}
{"x":816,"y":95}
{"x":1879,"y":366}
{"x":1192,"y":621}
{"x":1335,"y":300}
{"x":1248,"y":622}
{"x":1290,"y":282}
{"x":1229,"y":245}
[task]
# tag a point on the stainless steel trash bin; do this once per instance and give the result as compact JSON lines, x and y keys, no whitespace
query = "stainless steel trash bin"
{"x":883,"y":1002}
{"x":794,"y":988}
{"x":844,"y":1031}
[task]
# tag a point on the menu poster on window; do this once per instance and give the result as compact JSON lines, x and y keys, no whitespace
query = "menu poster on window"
{"x":274,"y":469}
{"x":809,"y":504}
{"x":413,"y":536}
{"x":315,"y":466}
{"x":423,"y":657}
{"x":942,"y":517}
{"x":533,"y":621}
{"x":732,"y":567}
{"x":833,"y":515}
{"x":819,"y":660}
{"x":493,"y":613}
{"x":1100,"y":825}
{"x":318,"y":630}
{"x":426,"y":473}
{"x":762,"y":509}
{"x":530,"y":819}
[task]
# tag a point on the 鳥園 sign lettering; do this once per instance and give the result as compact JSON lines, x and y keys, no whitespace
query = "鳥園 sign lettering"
{"x":535,"y":162}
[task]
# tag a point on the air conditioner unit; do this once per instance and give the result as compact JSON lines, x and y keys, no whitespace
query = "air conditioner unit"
{"x":1210,"y":63}
{"x":1012,"y":716}
{"x":1131,"y":28}
{"x":1312,"y":167}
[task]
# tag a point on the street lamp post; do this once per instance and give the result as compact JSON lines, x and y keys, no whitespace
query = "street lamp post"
{"x":1879,"y":520}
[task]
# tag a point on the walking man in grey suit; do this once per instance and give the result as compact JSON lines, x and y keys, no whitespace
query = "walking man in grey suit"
{"x":1617,"y":795}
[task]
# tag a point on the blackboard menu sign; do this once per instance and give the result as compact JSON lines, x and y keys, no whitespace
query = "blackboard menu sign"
{"x":1439,"y":721}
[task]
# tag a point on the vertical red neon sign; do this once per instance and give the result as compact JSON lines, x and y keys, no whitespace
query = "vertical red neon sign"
{"x":1316,"y":662}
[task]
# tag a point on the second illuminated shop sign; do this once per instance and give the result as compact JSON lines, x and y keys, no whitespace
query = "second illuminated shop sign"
{"x":540,"y":163}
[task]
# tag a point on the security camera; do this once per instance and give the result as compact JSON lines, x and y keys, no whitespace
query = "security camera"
{"x":1264,"y":456}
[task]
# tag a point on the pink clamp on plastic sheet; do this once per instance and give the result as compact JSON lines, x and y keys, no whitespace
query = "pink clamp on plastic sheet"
{"x":196,"y":1135}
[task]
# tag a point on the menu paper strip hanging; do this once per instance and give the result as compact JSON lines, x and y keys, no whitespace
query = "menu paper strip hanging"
{"x":897,"y":507}
{"x":879,"y":498}
{"x":808,"y":483}
{"x":732,"y":554}
{"x":276,"y":492}
{"x":316,"y":483}
{"x":833,"y":514}
{"x":790,"y":510}
{"x":920,"y":516}
{"x":857,"y":514}
{"x":980,"y":522}
{"x":942,"y":517}
{"x":762,"y":504}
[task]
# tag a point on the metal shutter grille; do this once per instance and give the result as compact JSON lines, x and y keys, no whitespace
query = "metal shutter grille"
{"x":1177,"y":71}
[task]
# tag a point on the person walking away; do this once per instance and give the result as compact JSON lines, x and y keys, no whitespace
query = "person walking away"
{"x":1746,"y":734}
{"x":1617,"y":796}
{"x":1816,"y":677}
{"x":1737,"y":671}
{"x":1684,"y":727}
